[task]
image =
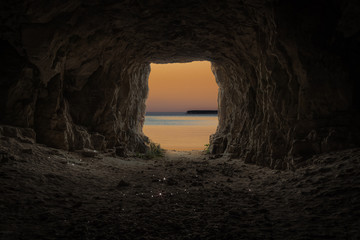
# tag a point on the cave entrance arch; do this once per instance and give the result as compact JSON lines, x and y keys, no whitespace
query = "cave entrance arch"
{"x":174,"y":89}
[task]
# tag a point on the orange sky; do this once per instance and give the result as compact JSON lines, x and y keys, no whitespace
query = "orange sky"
{"x":178,"y":87}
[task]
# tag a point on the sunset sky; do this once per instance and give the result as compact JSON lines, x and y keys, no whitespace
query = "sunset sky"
{"x":179,"y":87}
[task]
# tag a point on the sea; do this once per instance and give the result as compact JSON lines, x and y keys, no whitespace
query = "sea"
{"x":180,"y":131}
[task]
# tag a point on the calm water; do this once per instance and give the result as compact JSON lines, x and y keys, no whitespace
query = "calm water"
{"x":180,"y":131}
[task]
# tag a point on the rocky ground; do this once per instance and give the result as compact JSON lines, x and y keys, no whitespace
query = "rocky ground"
{"x":53,"y":194}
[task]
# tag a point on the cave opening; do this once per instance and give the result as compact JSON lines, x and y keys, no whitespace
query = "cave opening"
{"x":175,"y":89}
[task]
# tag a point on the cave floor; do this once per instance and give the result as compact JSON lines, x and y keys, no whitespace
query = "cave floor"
{"x":53,"y":194}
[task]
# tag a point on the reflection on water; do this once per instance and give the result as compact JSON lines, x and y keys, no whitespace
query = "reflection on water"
{"x":179,"y":131}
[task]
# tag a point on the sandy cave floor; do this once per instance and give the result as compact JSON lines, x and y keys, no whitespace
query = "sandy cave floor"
{"x":53,"y":194}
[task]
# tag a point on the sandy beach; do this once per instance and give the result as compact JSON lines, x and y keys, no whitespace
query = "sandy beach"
{"x":180,"y":138}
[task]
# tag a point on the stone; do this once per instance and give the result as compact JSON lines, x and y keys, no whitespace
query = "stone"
{"x":89,"y":153}
{"x":76,"y":73}
{"x":25,"y":135}
{"x":120,"y":151}
{"x":98,"y":141}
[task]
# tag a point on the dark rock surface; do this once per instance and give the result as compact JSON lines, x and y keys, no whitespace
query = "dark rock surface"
{"x":76,"y":71}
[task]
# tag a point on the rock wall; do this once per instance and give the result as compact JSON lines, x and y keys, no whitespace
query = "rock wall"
{"x":295,"y":94}
{"x":62,"y":77}
{"x":76,"y":72}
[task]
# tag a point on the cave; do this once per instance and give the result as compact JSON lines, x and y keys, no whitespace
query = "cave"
{"x":77,"y":73}
{"x":74,"y":80}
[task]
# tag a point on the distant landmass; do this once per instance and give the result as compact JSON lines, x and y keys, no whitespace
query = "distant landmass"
{"x":202,"y":112}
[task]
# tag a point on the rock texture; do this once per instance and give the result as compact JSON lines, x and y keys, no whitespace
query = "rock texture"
{"x":76,"y":71}
{"x":294,"y":93}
